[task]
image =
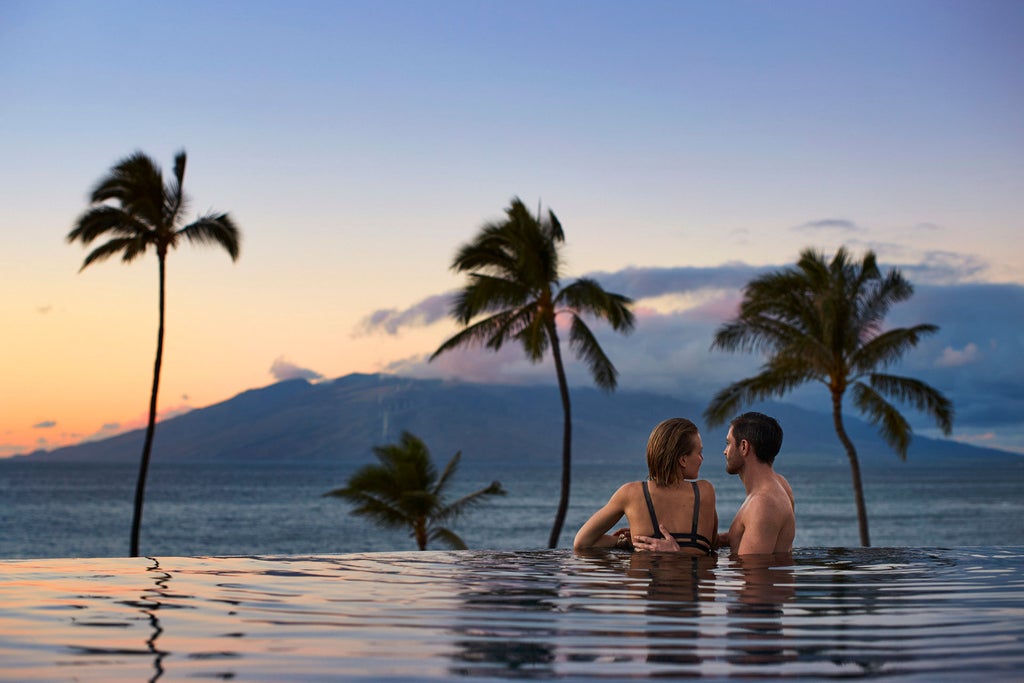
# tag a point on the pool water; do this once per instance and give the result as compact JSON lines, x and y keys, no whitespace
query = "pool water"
{"x":927,"y":614}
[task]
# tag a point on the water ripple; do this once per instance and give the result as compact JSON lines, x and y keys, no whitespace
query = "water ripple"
{"x":909,"y":613}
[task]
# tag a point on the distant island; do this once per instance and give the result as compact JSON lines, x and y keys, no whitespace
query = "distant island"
{"x":296,"y":421}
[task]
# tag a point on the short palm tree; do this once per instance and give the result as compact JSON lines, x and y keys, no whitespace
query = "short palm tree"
{"x":823,"y":321}
{"x":514,"y":280}
{"x":404,"y":491}
{"x":137,"y":211}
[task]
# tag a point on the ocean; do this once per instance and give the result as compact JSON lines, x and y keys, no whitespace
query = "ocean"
{"x":55,"y":510}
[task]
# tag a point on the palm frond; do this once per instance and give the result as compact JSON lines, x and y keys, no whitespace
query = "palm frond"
{"x":135,"y":247}
{"x":104,"y":219}
{"x":888,"y":347}
{"x":918,"y":394}
{"x":492,"y":331}
{"x":878,"y":295}
{"x":769,"y":383}
{"x":127,"y":245}
{"x":489,"y":253}
{"x":488,"y":293}
{"x":534,"y":334}
{"x":585,"y":295}
{"x":554,"y":228}
{"x":214,"y":229}
{"x":382,"y":512}
{"x":447,"y":474}
{"x":175,"y":200}
{"x":405,"y":491}
{"x":893,"y":427}
{"x":453,"y":510}
{"x":136,"y":183}
{"x":587,"y":348}
{"x":448,"y":537}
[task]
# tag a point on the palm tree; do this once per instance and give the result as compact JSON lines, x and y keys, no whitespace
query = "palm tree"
{"x":824,"y":322}
{"x":405,"y":491}
{"x":514,"y":273}
{"x":137,"y":211}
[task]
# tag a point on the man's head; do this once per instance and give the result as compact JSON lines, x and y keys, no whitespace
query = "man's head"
{"x":669,"y":441}
{"x":762,"y":433}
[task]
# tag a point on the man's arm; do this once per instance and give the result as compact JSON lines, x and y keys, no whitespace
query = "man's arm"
{"x":762,"y":524}
{"x":667,"y":544}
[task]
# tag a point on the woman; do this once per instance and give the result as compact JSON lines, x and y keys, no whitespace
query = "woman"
{"x":670,"y":498}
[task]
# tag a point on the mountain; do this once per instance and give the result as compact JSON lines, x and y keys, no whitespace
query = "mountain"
{"x":295,"y":421}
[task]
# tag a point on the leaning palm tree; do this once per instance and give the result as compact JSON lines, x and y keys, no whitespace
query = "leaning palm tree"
{"x":404,"y":491}
{"x":136,"y":210}
{"x":823,"y":322}
{"x":514,"y":280}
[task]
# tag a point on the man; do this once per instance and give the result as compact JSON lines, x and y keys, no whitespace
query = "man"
{"x":765,"y":522}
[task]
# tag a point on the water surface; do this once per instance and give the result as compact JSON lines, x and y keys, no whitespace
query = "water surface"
{"x":900,"y":613}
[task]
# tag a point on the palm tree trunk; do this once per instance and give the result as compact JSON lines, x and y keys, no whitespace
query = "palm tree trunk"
{"x":851,"y":453}
{"x":147,"y":447}
{"x":419,"y":527}
{"x":563,"y":388}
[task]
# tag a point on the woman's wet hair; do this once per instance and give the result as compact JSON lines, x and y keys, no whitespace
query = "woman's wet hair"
{"x":670,"y":439}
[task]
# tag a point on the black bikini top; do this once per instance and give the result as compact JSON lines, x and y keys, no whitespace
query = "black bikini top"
{"x":685,"y":540}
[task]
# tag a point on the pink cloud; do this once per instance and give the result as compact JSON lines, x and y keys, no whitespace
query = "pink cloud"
{"x":952,"y":358}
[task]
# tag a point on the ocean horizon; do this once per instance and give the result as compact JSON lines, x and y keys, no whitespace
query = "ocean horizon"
{"x":54,"y":510}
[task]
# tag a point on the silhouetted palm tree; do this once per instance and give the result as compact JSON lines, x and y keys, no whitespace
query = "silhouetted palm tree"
{"x":824,"y":322}
{"x":137,"y":211}
{"x":514,"y":273}
{"x":404,"y":491}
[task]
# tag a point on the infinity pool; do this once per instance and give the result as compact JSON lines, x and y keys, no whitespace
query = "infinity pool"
{"x":905,"y":613}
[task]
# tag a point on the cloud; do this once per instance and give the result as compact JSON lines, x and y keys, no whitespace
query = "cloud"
{"x":636,"y":283}
{"x":391,"y":320}
{"x":45,"y":424}
{"x":282,"y":369}
{"x":976,"y":359}
{"x":945,"y":267}
{"x":931,"y":267}
{"x":952,"y":358}
{"x":840,"y":224}
{"x":43,"y":310}
{"x":668,"y":353}
{"x":645,"y":283}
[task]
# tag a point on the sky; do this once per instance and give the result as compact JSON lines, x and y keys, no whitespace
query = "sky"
{"x":684,"y":146}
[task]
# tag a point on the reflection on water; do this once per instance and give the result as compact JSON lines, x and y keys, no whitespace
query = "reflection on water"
{"x":906,"y":613}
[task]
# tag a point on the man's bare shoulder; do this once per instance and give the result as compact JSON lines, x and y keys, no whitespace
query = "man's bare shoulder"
{"x":758,"y":503}
{"x":786,"y":487}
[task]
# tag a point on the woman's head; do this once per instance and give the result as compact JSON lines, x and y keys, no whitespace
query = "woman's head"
{"x":670,"y":440}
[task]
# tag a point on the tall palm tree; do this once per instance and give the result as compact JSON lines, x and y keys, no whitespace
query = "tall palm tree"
{"x":824,"y":322}
{"x":514,"y":280}
{"x":404,"y":491}
{"x":136,"y":210}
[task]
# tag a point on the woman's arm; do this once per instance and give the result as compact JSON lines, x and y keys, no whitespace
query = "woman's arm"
{"x":593,"y":533}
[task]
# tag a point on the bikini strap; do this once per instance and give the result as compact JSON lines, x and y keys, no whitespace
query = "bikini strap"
{"x":650,"y":509}
{"x":696,"y":509}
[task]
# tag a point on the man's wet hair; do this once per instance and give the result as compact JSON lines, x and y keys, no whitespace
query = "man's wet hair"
{"x":761,"y":431}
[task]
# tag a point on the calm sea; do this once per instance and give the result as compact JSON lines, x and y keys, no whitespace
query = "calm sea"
{"x":78,"y":510}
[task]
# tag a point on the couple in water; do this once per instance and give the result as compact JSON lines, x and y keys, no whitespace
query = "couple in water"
{"x":674,"y":511}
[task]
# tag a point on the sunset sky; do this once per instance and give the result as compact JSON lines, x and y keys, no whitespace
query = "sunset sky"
{"x":685,"y":146}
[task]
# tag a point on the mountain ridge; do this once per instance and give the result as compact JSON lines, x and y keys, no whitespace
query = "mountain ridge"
{"x":298,"y":421}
